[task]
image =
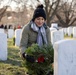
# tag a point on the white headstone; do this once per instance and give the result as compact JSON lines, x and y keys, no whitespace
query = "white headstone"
{"x":74,"y":32}
{"x":70,"y":31}
{"x":65,"y":30}
{"x":65,"y":57}
{"x":17,"y":37}
{"x":54,"y":25}
{"x":56,"y":36}
{"x":52,"y":29}
{"x":10,"y":33}
{"x":62,"y":30}
{"x":3,"y":46}
{"x":1,"y":30}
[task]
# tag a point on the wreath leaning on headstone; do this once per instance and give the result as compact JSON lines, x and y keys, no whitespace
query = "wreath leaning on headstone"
{"x":43,"y":59}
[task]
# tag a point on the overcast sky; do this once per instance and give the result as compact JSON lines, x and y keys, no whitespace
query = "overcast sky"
{"x":7,"y":2}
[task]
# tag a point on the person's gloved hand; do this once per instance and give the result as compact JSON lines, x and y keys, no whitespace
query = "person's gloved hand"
{"x":28,"y":58}
{"x":24,"y":55}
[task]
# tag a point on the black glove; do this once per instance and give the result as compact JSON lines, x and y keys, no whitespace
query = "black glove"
{"x":29,"y":58}
{"x":24,"y":55}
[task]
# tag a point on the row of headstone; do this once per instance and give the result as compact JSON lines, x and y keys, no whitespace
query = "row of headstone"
{"x":56,"y":34}
{"x":69,"y":31}
{"x":3,"y":43}
{"x":17,"y":35}
{"x":64,"y":52}
{"x":54,"y":26}
{"x":65,"y":57}
{"x":10,"y":32}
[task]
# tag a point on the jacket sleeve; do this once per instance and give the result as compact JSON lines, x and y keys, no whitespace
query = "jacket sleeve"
{"x":24,"y":40}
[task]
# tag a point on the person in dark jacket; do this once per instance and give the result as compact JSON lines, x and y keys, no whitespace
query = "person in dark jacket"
{"x":2,"y":26}
{"x":36,"y":31}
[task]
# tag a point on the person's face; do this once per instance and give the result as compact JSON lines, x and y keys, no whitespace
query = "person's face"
{"x":39,"y":21}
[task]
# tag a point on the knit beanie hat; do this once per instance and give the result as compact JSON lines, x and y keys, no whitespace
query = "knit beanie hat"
{"x":39,"y":12}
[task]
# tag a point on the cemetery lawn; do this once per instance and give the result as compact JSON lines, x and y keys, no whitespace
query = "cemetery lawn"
{"x":12,"y":66}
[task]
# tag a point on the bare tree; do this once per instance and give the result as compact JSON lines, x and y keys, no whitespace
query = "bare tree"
{"x":50,"y":7}
{"x":4,"y":8}
{"x":67,"y":15}
{"x":22,"y":16}
{"x":2,"y":11}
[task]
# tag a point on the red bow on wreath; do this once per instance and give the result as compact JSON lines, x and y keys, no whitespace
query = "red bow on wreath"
{"x":40,"y":59}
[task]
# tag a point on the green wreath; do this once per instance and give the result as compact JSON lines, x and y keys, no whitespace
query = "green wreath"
{"x":43,"y":59}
